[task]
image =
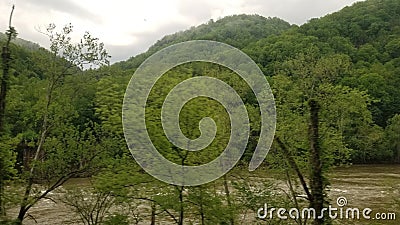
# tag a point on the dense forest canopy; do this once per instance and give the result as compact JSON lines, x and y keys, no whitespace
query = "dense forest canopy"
{"x":348,"y":61}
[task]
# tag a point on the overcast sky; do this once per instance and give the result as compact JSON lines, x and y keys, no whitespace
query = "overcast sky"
{"x":129,"y":27}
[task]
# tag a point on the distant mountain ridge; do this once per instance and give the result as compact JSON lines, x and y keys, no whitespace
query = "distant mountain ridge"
{"x":21,"y":42}
{"x":370,"y":21}
{"x":236,"y":30}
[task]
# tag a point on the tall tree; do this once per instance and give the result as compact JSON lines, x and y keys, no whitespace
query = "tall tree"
{"x":316,"y":112}
{"x":11,"y":33}
{"x":65,"y":58}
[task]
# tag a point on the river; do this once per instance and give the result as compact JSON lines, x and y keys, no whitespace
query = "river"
{"x":363,"y":186}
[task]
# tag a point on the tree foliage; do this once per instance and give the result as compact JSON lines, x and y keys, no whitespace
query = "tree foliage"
{"x":63,"y":115}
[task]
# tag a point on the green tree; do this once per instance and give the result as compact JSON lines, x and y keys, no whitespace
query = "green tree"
{"x":5,"y":151}
{"x":392,"y":137}
{"x":64,"y":59}
{"x":315,"y":115}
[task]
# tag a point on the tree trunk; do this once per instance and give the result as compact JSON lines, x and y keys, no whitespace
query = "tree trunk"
{"x":25,"y":205}
{"x":202,"y":216}
{"x":316,"y":178}
{"x":228,"y":200}
{"x":181,"y":214}
{"x":153,"y":214}
{"x":6,"y":57}
{"x":294,"y":166}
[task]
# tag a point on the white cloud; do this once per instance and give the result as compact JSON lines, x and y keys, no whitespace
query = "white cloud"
{"x":133,"y":25}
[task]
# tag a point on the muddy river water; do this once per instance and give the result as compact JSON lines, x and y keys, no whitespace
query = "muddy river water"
{"x":362,"y":186}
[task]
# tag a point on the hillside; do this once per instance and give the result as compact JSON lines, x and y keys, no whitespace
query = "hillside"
{"x":374,"y":21}
{"x":237,"y":30}
{"x":21,"y":42}
{"x":362,"y":40}
{"x":367,"y":32}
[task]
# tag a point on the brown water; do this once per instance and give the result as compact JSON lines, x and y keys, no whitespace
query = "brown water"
{"x":364,"y":186}
{"x":368,"y":186}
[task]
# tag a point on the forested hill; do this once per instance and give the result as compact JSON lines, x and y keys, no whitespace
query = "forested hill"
{"x":21,"y":42}
{"x":359,"y":46}
{"x":236,"y":30}
{"x":375,"y":21}
{"x":372,"y":27}
{"x":367,"y":35}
